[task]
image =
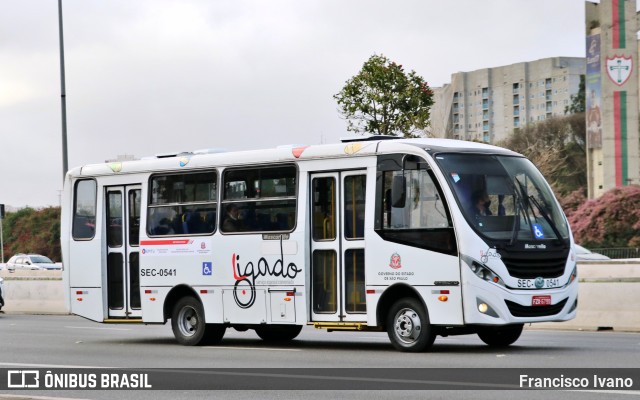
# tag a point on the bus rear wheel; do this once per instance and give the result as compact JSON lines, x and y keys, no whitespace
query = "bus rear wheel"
{"x":189,"y":326}
{"x":408,"y":326}
{"x":502,"y":336}
{"x":278,"y":333}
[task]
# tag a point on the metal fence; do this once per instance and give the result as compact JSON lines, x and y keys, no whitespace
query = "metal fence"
{"x":618,"y":253}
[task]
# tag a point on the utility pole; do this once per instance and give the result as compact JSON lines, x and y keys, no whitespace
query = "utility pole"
{"x":65,"y":164}
{"x":1,"y":238}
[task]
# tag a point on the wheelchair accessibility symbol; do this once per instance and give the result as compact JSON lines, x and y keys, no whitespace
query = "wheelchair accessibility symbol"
{"x":207,"y":268}
{"x":537,"y":231}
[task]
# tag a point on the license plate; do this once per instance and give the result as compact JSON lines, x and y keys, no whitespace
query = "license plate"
{"x":549,"y":283}
{"x":541,"y":300}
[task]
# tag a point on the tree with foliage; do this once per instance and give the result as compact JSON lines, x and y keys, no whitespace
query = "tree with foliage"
{"x":557,"y":147}
{"x":572,"y":201}
{"x":577,"y":100}
{"x":611,"y":220}
{"x":384,"y":100}
{"x":33,"y":231}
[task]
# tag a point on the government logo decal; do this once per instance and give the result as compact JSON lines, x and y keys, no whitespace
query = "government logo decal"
{"x":395,"y":262}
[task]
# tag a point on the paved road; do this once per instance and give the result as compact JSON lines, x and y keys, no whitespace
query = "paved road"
{"x":46,"y":341}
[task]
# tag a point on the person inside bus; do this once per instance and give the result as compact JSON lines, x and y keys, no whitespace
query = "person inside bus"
{"x":480,"y":203}
{"x":232,"y":221}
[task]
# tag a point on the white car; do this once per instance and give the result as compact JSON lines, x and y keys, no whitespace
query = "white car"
{"x":31,"y":261}
{"x":583,"y":254}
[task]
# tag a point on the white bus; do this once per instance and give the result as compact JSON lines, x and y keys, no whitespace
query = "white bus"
{"x":415,"y":237}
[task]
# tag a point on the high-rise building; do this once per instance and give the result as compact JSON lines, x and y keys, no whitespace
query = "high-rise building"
{"x":488,"y":104}
{"x":613,"y":140}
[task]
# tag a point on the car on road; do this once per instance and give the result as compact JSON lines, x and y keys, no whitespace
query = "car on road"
{"x":31,"y":261}
{"x":583,"y":254}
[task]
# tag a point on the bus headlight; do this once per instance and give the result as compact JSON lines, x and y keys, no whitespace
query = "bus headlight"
{"x":485,"y":273}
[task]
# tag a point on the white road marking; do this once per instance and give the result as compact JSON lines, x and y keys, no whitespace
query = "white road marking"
{"x":247,"y":348}
{"x":23,"y":397}
{"x":627,"y":392}
{"x":103,"y":329}
{"x":26,"y":365}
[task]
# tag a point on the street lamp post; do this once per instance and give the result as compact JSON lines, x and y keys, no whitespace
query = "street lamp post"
{"x":65,"y":165}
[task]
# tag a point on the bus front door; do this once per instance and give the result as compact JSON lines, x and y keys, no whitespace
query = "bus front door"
{"x":123,"y":240}
{"x":337,"y":249}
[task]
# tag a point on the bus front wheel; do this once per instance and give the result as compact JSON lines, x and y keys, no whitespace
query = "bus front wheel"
{"x":189,"y":326}
{"x":408,"y":326}
{"x":502,"y":336}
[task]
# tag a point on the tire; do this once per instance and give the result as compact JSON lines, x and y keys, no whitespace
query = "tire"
{"x":408,"y":326}
{"x":501,"y":336}
{"x":278,"y":333}
{"x":189,"y":326}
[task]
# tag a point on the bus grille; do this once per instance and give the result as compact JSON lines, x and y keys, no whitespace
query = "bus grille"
{"x":518,"y":310}
{"x":531,"y":265}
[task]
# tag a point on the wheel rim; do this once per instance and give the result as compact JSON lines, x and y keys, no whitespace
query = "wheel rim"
{"x":407,"y":326}
{"x":188,"y":321}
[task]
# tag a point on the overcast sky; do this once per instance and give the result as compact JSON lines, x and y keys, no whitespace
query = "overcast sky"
{"x":152,"y":76}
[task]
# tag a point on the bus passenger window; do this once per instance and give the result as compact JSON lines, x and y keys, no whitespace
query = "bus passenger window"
{"x":182,"y":204}
{"x":259,"y":199}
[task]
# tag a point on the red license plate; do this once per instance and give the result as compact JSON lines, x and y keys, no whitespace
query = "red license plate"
{"x":541,"y":300}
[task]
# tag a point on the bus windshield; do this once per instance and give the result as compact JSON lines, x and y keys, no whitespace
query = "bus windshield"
{"x":504,"y":197}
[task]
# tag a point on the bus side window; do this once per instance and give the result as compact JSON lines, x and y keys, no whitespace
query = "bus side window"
{"x":84,"y":210}
{"x":423,"y":221}
{"x":182,"y":204}
{"x":265,"y":199}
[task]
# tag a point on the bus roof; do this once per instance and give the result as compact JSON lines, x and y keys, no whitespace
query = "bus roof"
{"x":292,"y":153}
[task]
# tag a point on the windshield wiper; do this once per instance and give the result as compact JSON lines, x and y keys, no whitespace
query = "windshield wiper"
{"x":516,"y":223}
{"x":518,"y":192}
{"x":547,"y":218}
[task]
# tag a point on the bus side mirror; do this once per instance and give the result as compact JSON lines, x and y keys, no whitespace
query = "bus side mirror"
{"x":398,"y":191}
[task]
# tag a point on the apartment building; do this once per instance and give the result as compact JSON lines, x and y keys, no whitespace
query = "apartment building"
{"x":488,"y":104}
